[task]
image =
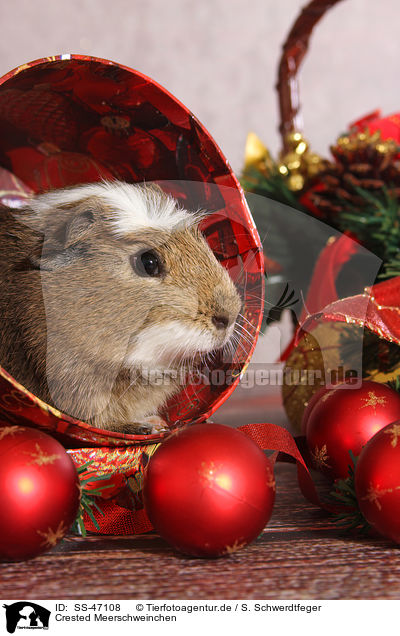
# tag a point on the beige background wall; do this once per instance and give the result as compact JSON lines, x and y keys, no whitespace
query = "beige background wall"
{"x":220,"y":56}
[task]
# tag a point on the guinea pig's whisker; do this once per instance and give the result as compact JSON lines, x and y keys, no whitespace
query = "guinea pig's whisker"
{"x":188,"y":378}
{"x":244,"y":337}
{"x":235,"y":357}
{"x":212,"y":355}
{"x":266,"y":302}
{"x":241,"y":350}
{"x":242,"y":347}
{"x":231,"y":350}
{"x":235,"y":339}
{"x":250,"y":335}
{"x":206,"y":359}
{"x":246,"y":277}
{"x":262,"y":333}
{"x":235,"y":342}
{"x":178,"y":357}
{"x":246,"y":319}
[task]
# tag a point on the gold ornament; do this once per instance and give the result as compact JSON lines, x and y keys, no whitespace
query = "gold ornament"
{"x":332,"y":348}
{"x":297,"y":165}
{"x":297,"y":392}
{"x":257,"y":156}
{"x":356,"y":142}
{"x":316,"y":355}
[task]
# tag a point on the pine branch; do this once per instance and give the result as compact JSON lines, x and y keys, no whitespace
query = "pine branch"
{"x":273,"y":186}
{"x":89,"y":498}
{"x":377,"y":225}
{"x":351,"y":518}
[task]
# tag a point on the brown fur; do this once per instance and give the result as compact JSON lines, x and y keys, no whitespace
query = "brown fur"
{"x":71,"y":307}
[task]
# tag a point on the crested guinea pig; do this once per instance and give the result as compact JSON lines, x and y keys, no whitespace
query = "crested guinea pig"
{"x":100,"y":284}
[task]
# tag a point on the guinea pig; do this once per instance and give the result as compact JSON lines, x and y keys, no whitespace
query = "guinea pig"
{"x":102,"y":285}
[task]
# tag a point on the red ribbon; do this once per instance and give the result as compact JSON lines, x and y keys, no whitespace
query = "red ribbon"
{"x":277,"y":438}
{"x":378,"y":309}
{"x":118,"y":520}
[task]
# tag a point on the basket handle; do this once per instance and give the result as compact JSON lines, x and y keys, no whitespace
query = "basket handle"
{"x":293,"y":52}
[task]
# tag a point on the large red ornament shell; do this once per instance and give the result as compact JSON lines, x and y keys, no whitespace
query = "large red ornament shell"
{"x":209,"y":490}
{"x":377,"y":481}
{"x":344,"y":419}
{"x":39,"y":492}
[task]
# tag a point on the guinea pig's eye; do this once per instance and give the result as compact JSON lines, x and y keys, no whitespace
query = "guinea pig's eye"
{"x":147,"y":263}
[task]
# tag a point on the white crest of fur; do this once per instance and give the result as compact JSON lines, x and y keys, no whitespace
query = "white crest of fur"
{"x":135,"y":206}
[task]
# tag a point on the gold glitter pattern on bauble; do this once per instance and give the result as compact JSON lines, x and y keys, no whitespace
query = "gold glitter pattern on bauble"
{"x":395,"y":432}
{"x":237,"y":545}
{"x":10,"y":430}
{"x":320,"y":457}
{"x":52,"y":537}
{"x":271,"y":481}
{"x":41,"y":458}
{"x":374,"y":493}
{"x":373,"y":400}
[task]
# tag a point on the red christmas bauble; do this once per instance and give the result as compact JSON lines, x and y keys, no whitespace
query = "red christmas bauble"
{"x":39,"y":492}
{"x":377,"y":481}
{"x":209,"y":490}
{"x":344,"y":419}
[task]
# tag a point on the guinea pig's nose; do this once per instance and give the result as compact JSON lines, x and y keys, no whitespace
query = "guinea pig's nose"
{"x":220,"y":321}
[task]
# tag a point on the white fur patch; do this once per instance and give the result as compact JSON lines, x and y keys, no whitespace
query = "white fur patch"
{"x":166,"y":343}
{"x":136,"y":206}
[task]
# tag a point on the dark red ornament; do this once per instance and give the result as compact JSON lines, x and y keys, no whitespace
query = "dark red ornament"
{"x":209,"y":490}
{"x":39,"y":492}
{"x":310,"y":405}
{"x":344,"y":419}
{"x":377,"y":481}
{"x":315,"y":398}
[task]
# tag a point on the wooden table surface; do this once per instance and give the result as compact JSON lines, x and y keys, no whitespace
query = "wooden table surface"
{"x":300,"y":555}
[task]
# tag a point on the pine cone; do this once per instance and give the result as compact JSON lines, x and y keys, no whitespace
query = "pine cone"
{"x":362,"y":161}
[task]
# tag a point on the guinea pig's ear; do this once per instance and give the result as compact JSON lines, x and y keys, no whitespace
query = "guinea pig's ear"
{"x":65,"y":242}
{"x":78,"y":228}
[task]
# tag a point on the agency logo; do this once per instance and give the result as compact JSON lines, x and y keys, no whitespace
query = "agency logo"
{"x":26,"y":615}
